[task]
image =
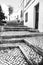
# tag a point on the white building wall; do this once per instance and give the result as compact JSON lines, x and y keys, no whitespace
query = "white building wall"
{"x":29,"y":23}
{"x":21,"y":7}
{"x":41,"y":16}
{"x":30,"y":9}
{"x":18,"y":13}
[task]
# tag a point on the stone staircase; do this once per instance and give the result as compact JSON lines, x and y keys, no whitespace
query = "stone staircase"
{"x":14,"y":39}
{"x":19,"y":28}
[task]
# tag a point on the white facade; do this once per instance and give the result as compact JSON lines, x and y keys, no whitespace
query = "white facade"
{"x":21,"y":8}
{"x":41,"y":16}
{"x":30,"y":8}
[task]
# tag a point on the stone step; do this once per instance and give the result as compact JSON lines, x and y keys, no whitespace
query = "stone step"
{"x":14,"y":33}
{"x":12,"y":41}
{"x":19,"y":28}
{"x":19,"y":34}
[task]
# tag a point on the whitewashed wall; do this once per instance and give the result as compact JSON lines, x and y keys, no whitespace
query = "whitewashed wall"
{"x":41,"y":16}
{"x":20,"y":8}
{"x":31,"y":15}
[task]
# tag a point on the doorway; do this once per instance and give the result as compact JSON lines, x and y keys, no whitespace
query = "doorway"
{"x":36,"y":16}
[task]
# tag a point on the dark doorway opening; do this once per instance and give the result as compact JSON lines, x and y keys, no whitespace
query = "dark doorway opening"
{"x":36,"y":16}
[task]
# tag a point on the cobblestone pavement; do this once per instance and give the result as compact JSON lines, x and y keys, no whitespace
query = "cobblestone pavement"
{"x":27,"y":51}
{"x":36,"y":41}
{"x":12,"y":57}
{"x":30,"y":53}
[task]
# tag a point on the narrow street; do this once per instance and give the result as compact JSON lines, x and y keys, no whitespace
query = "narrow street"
{"x":21,"y":32}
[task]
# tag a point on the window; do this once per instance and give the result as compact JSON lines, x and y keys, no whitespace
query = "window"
{"x":26,"y":17}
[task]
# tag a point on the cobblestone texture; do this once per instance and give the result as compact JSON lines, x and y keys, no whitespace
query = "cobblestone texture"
{"x":12,"y":57}
{"x":32,"y":55}
{"x":36,"y":41}
{"x":15,"y":56}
